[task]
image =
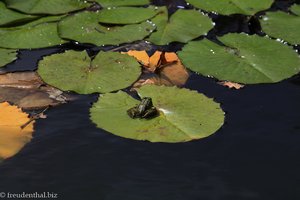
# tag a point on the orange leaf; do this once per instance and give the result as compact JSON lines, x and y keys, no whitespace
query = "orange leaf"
{"x":141,"y":56}
{"x":12,"y":136}
{"x":232,"y":85}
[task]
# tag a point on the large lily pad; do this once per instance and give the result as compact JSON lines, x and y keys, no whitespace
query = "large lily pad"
{"x":53,"y":7}
{"x":84,"y":27}
{"x":228,"y":7}
{"x":7,"y":56}
{"x":116,"y":3}
{"x":75,"y":71}
{"x":184,"y":115}
{"x":183,"y":26}
{"x":8,"y":16}
{"x":245,"y":59}
{"x":37,"y":34}
{"x":283,"y":25}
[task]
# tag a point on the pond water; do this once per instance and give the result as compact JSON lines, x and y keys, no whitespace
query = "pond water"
{"x":254,"y":156}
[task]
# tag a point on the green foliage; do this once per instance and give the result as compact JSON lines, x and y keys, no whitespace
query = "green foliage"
{"x":244,"y":59}
{"x":184,"y":115}
{"x":75,"y":71}
{"x":117,"y":3}
{"x":7,"y":56}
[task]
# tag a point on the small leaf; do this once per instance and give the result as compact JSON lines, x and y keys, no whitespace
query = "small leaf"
{"x":7,"y":56}
{"x":74,"y":71}
{"x":228,"y":7}
{"x":245,"y":59}
{"x":52,"y":7}
{"x":12,"y":136}
{"x":118,"y":3}
{"x":183,"y":26}
{"x":283,"y":25}
{"x":184,"y":115}
{"x":231,"y":85}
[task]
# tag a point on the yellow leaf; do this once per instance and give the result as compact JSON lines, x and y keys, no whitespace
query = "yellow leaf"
{"x":12,"y":137}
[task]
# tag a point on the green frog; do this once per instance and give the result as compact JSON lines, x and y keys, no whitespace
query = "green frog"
{"x":144,"y":110}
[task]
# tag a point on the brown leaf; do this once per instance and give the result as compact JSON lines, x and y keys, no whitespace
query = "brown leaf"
{"x":231,"y":85}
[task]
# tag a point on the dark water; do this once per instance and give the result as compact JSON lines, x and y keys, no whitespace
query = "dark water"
{"x":255,"y":156}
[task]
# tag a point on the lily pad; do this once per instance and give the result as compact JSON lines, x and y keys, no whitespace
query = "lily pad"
{"x":84,"y":27}
{"x":183,"y":26}
{"x":245,"y":59}
{"x":118,"y":3}
{"x":228,"y":7}
{"x":37,"y":34}
{"x":283,"y":25}
{"x":184,"y":115}
{"x":52,"y":7}
{"x":75,"y":71}
{"x":8,"y":16}
{"x":7,"y":56}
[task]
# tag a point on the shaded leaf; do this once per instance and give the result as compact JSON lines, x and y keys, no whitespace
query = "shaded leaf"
{"x":53,"y":7}
{"x":117,"y":3}
{"x":183,"y":26}
{"x":245,"y":59}
{"x":184,"y":115}
{"x":12,"y":136}
{"x":74,"y":71}
{"x":282,"y":25}
{"x":7,"y":56}
{"x":228,"y":7}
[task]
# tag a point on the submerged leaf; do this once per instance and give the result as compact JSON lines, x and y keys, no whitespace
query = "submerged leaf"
{"x":183,"y":26}
{"x":245,"y":59}
{"x":53,"y":7}
{"x":12,"y":136}
{"x":283,"y":25}
{"x":228,"y":7}
{"x":74,"y":71}
{"x":7,"y":56}
{"x":184,"y":115}
{"x":117,"y":3}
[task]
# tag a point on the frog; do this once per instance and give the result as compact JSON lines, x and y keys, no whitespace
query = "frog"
{"x":143,"y":110}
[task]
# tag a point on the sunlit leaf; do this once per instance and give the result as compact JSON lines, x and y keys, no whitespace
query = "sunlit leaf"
{"x":231,"y":85}
{"x":245,"y":59}
{"x":116,"y":3}
{"x":84,"y":27}
{"x":228,"y":7}
{"x":7,"y":56}
{"x":283,"y":25}
{"x":183,"y":26}
{"x":75,"y":71}
{"x":12,"y":136}
{"x":47,"y":6}
{"x":184,"y":115}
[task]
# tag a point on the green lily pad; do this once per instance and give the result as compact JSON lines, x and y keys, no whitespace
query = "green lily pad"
{"x":184,"y":115}
{"x":228,"y":7}
{"x":84,"y":27}
{"x":245,"y":59}
{"x":8,"y":16}
{"x":7,"y":56}
{"x":183,"y":26}
{"x":283,"y":25}
{"x":37,"y":34}
{"x":52,"y":7}
{"x":118,"y":3}
{"x":75,"y":71}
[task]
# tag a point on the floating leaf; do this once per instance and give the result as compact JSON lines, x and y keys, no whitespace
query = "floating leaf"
{"x":84,"y":27}
{"x":8,"y":16}
{"x":183,"y":26}
{"x":117,"y":3}
{"x":52,"y":7}
{"x":12,"y":136}
{"x":37,"y":34}
{"x":231,"y":85}
{"x":184,"y":115}
{"x":245,"y":59}
{"x":27,"y":91}
{"x":283,"y":25}
{"x":74,"y":71}
{"x":228,"y":7}
{"x":7,"y":56}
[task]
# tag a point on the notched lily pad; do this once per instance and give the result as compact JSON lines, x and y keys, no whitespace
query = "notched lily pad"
{"x":7,"y":56}
{"x":244,"y":59}
{"x":75,"y":71}
{"x":184,"y":115}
